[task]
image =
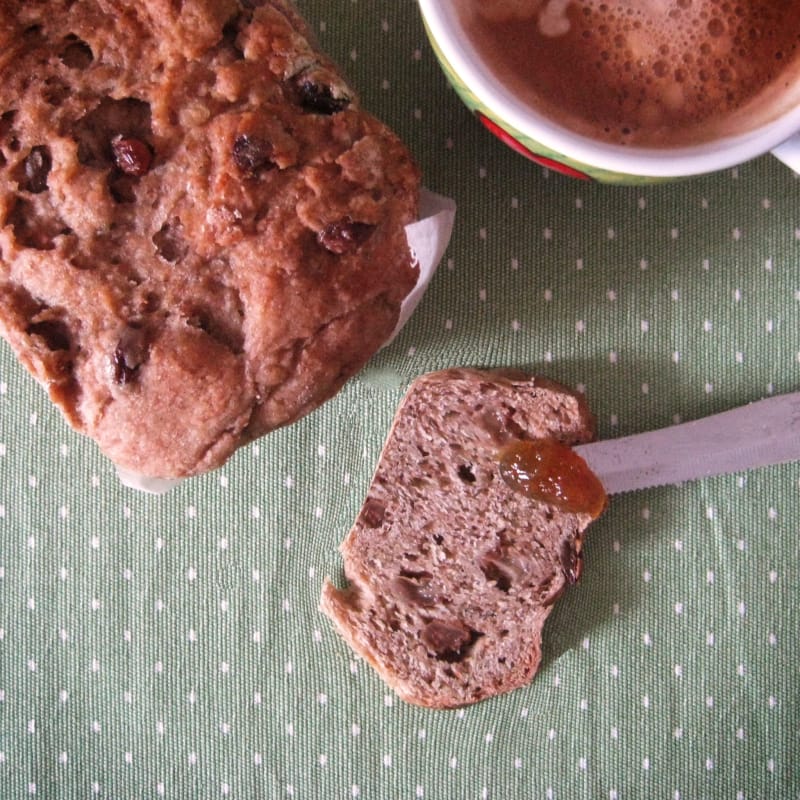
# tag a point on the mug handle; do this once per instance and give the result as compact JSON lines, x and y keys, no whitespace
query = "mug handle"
{"x":789,"y":152}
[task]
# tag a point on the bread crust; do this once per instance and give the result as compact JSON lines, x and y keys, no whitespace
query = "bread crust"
{"x":451,"y":574}
{"x":201,"y":234}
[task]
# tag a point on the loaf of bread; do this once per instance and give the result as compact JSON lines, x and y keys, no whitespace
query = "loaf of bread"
{"x":452,"y":572}
{"x":202,"y":233}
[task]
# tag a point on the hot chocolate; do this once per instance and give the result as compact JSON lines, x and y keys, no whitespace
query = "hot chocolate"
{"x":650,"y":73}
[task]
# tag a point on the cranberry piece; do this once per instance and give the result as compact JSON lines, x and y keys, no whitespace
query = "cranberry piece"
{"x":344,"y":235}
{"x":252,"y":153}
{"x":36,"y":168}
{"x":131,"y":155}
{"x":320,"y":98}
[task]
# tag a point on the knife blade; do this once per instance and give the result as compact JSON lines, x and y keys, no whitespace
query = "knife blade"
{"x":759,"y":434}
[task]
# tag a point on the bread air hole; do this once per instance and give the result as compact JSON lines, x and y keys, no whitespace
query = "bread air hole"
{"x":76,"y":54}
{"x":169,"y":241}
{"x":94,"y":133}
{"x":230,"y":34}
{"x":466,"y":473}
{"x":32,"y":172}
{"x":34,"y":227}
{"x":495,"y":574}
{"x":54,"y":333}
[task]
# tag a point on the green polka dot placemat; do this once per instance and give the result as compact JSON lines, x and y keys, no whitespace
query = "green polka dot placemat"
{"x":171,"y":646}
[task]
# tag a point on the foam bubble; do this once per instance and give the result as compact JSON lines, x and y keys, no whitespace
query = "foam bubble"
{"x":553,"y":19}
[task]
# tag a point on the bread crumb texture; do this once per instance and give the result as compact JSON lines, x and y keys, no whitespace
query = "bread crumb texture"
{"x":451,"y":574}
{"x":201,"y":233}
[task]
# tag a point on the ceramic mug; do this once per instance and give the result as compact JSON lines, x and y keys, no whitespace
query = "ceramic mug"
{"x":546,"y":142}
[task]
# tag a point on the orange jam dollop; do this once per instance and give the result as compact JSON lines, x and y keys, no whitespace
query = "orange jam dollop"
{"x":550,"y":471}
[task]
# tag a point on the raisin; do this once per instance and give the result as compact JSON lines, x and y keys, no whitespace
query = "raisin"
{"x":36,"y":168}
{"x":412,"y":590}
{"x":372,"y":515}
{"x":130,"y":354}
{"x":131,"y":155}
{"x":449,"y":641}
{"x":345,"y":235}
{"x":251,"y":154}
{"x":496,"y":572}
{"x":320,"y":99}
{"x":571,"y":561}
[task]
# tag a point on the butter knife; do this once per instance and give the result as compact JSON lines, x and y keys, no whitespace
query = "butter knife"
{"x":759,"y":434}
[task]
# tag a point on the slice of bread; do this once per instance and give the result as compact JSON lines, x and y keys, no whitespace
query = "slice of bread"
{"x":452,"y":573}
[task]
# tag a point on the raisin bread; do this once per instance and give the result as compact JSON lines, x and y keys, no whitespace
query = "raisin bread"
{"x":202,"y":233}
{"x":451,"y":573}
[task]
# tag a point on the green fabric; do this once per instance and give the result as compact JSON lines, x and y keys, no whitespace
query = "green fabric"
{"x":171,"y":646}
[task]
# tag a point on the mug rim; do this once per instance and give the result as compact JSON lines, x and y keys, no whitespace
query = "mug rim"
{"x":668,"y":162}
